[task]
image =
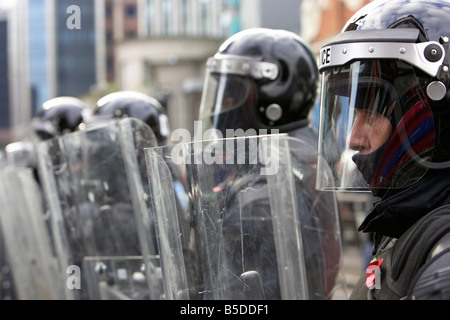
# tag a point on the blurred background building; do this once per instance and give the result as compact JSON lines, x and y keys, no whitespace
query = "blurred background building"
{"x":88,"y":48}
{"x":46,"y":57}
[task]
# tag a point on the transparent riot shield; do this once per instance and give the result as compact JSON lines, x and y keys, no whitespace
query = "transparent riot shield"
{"x":96,"y":186}
{"x":320,"y":224}
{"x":7,"y":290}
{"x":250,"y":231}
{"x":33,"y":265}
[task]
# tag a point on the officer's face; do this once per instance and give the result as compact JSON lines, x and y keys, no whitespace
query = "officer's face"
{"x":370,"y":131}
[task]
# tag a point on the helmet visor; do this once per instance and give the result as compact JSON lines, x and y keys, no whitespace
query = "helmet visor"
{"x":376,"y":128}
{"x":227,"y":101}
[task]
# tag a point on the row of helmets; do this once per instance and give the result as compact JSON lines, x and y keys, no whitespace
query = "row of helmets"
{"x":63,"y":115}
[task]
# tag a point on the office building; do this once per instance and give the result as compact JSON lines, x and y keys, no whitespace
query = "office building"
{"x":48,"y":48}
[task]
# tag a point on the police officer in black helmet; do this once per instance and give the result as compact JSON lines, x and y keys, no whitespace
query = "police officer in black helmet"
{"x":261,"y":79}
{"x":136,"y":105}
{"x":59,"y":116}
{"x":385,"y":99}
{"x":266,"y":81}
{"x":56,"y":117}
{"x":149,"y":110}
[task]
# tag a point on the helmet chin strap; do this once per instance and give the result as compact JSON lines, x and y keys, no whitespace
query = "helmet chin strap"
{"x":437,"y":90}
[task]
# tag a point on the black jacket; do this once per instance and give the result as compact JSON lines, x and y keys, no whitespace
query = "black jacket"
{"x":415,"y":218}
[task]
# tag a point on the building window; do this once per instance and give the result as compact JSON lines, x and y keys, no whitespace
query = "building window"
{"x":109,"y":37}
{"x":4,"y":80}
{"x":130,"y":11}
{"x":108,"y":11}
{"x":166,"y":13}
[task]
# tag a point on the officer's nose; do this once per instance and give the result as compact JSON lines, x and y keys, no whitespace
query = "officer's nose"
{"x":359,"y":136}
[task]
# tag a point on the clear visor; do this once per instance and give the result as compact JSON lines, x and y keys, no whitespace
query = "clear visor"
{"x":230,"y":93}
{"x":376,"y":127}
{"x":227,"y":101}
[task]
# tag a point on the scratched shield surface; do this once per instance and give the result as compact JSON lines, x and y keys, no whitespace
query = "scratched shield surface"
{"x":95,"y":183}
{"x":30,"y":268}
{"x":239,"y":232}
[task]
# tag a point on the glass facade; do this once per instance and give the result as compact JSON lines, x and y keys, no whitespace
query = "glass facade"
{"x":76,"y":57}
{"x":38,"y":54}
{"x":4,"y":86}
{"x":194,"y":18}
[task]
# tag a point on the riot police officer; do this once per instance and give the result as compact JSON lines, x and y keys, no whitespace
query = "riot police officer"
{"x":385,"y":99}
{"x":261,"y":79}
{"x":59,"y":116}
{"x":266,"y":81}
{"x":29,"y":235}
{"x":149,"y":111}
{"x":136,"y":105}
{"x":140,"y":106}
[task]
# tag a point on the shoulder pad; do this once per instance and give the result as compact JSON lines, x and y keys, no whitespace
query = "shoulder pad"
{"x":441,"y":245}
{"x":433,"y":280}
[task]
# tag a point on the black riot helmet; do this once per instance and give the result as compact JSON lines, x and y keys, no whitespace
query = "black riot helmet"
{"x":260,"y":79}
{"x":390,"y":67}
{"x":59,"y":116}
{"x":136,"y":105}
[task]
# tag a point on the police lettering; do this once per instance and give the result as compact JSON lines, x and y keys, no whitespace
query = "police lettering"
{"x":325,"y":55}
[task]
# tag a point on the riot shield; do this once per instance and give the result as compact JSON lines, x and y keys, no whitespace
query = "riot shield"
{"x":7,"y":290}
{"x":320,"y":223}
{"x":250,"y":231}
{"x":96,"y":186}
{"x":33,"y":265}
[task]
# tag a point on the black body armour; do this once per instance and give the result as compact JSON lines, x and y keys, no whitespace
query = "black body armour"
{"x":409,"y":269}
